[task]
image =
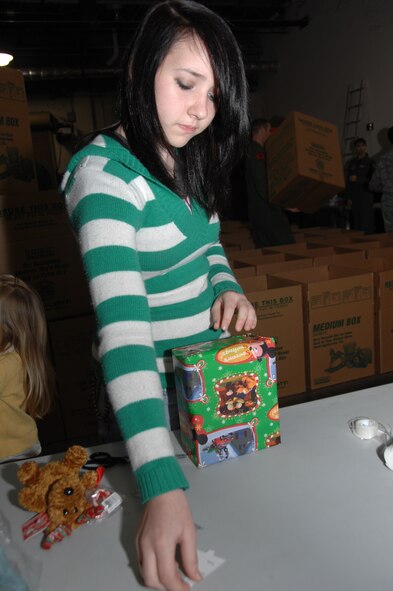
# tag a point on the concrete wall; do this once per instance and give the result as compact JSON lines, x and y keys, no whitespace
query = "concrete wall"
{"x":346,"y":41}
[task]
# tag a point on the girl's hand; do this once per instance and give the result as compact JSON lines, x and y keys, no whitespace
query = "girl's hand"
{"x":167,"y":522}
{"x":224,"y":307}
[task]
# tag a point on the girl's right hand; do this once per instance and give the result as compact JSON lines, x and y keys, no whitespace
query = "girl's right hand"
{"x":165,"y":523}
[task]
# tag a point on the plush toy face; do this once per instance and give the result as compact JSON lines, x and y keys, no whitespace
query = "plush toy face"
{"x":66,"y":502}
{"x":57,"y":488}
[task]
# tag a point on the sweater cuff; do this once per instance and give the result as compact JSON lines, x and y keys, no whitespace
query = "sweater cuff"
{"x":227,"y":286}
{"x":158,"y":477}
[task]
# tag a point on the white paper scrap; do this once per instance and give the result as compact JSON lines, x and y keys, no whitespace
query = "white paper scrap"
{"x":208,"y":563}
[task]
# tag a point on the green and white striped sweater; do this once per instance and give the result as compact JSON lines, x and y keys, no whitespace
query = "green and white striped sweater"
{"x":154,"y":269}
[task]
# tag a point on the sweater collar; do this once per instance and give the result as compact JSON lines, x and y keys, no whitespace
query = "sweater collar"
{"x":108,"y":147}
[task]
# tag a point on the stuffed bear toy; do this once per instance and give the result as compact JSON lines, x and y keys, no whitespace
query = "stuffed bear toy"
{"x":58,"y":490}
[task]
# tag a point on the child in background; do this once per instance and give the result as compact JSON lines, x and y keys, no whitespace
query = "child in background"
{"x":26,"y":377}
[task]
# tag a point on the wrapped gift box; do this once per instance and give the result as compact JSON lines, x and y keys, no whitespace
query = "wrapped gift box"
{"x":227,"y":397}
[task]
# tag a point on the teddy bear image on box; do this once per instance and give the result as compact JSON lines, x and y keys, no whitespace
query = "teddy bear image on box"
{"x":227,"y":397}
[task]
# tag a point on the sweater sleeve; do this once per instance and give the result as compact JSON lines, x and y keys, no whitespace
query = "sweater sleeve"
{"x":220,"y":272}
{"x":106,"y":213}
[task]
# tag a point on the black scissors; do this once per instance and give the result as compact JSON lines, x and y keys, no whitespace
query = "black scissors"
{"x":105,"y":459}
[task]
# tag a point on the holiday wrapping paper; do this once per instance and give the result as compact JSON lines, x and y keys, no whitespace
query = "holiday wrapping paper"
{"x":227,"y":397}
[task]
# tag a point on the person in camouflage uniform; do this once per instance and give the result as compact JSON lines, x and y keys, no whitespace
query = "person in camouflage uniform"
{"x":382,"y":182}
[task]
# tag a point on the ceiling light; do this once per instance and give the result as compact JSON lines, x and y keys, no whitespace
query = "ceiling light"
{"x":5,"y":58}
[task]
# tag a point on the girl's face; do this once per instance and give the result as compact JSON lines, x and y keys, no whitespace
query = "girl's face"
{"x":185,"y":92}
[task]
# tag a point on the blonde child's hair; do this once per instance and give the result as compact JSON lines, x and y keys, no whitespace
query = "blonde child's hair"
{"x":23,"y":327}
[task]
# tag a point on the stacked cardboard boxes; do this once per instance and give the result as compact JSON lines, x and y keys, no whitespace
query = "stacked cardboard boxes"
{"x":360,"y":244}
{"x":342,"y":343}
{"x":17,"y":171}
{"x":339,"y":320}
{"x":260,"y":262}
{"x":348,"y":258}
{"x":383,"y":276}
{"x":37,"y":245}
{"x":306,"y":249}
{"x":382,"y":269}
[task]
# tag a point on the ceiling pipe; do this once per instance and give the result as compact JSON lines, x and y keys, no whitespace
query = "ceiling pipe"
{"x":69,"y":73}
{"x":92,"y":73}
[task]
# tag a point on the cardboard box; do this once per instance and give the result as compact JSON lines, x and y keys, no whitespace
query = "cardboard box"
{"x":71,"y":346}
{"x":303,"y":249}
{"x":38,"y":245}
{"x":369,"y":245}
{"x":42,"y":127}
{"x":242,"y":241}
{"x":357,"y":244}
{"x":288,"y":264}
{"x":325,"y":254}
{"x":336,"y":239}
{"x":262,"y":263}
{"x":382,"y":268}
{"x":383,"y":274}
{"x":309,"y":236}
{"x":304,"y":164}
{"x":249,"y":253}
{"x":242,"y":269}
{"x":348,"y":259}
{"x":279,"y":311}
{"x":385,"y":251}
{"x":53,"y":267}
{"x":28,"y":214}
{"x":227,"y":397}
{"x":339,"y":317}
{"x":322,"y":230}
{"x":380,"y":236}
{"x":17,"y":170}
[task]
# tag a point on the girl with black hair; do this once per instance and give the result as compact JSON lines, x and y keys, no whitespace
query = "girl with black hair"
{"x":144,"y":197}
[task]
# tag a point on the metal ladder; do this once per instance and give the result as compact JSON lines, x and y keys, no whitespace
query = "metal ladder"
{"x":352,"y":118}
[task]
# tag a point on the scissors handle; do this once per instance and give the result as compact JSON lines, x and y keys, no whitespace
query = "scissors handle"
{"x":103,"y":458}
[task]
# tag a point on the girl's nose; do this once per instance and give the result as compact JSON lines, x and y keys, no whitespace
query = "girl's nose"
{"x":199,"y":107}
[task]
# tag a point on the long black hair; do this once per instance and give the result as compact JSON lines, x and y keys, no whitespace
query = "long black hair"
{"x":204,"y":164}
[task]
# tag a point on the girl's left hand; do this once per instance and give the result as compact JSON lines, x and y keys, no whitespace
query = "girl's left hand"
{"x":224,"y":307}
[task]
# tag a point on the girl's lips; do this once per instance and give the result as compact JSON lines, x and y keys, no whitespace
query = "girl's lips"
{"x":187,"y":128}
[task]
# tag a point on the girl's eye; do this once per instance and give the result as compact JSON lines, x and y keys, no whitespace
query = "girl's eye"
{"x":182,"y":85}
{"x":212,"y":97}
